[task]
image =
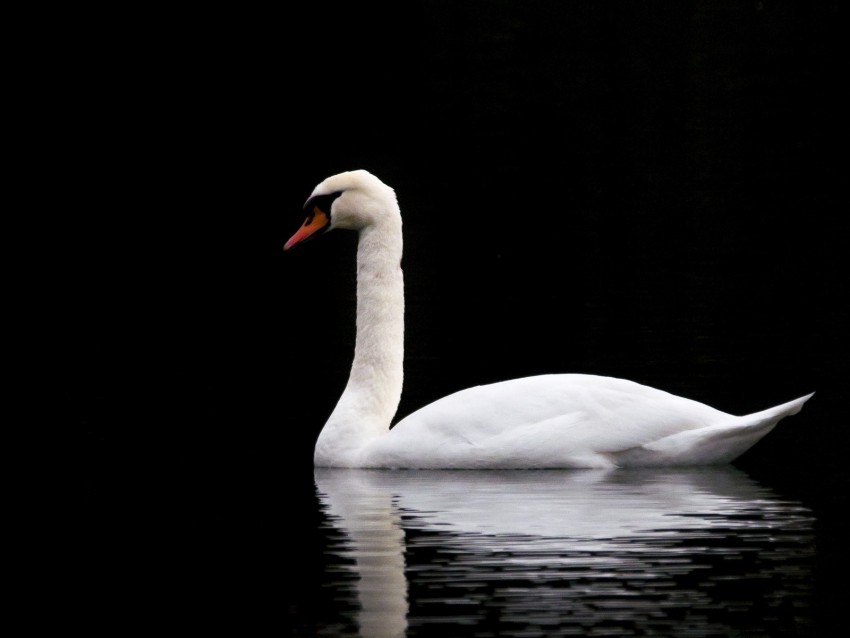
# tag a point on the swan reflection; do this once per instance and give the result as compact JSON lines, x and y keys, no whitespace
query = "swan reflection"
{"x":691,"y":550}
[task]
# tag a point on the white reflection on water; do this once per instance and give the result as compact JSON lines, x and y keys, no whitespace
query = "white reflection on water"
{"x":692,"y":552}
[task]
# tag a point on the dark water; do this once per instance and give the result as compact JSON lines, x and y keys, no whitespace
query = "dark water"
{"x":607,"y":188}
{"x":706,"y":552}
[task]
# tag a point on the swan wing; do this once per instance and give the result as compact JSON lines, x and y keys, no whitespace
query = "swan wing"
{"x":564,"y":420}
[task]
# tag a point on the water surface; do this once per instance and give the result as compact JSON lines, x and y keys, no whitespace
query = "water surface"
{"x":705,"y":552}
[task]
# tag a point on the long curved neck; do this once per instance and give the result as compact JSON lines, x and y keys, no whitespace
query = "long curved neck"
{"x":371,"y":397}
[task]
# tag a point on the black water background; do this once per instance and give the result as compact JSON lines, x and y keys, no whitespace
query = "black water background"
{"x":679,"y":552}
{"x":632,"y":191}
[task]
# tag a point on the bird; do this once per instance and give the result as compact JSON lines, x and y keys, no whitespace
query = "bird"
{"x":548,"y":421}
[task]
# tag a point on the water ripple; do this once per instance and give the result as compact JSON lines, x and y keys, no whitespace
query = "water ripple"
{"x":704,"y":552}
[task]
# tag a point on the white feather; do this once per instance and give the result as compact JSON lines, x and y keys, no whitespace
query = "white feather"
{"x":549,"y":421}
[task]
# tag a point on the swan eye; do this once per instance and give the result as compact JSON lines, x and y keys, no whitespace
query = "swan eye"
{"x":320,"y":204}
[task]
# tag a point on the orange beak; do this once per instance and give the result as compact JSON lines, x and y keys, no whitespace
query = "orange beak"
{"x":315,"y":222}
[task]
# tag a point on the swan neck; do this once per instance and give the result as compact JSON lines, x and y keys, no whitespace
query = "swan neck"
{"x":371,"y":397}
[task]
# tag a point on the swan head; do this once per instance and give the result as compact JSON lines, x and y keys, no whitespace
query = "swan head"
{"x":354,"y":200}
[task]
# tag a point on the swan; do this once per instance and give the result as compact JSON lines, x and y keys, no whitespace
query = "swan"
{"x":545,"y":421}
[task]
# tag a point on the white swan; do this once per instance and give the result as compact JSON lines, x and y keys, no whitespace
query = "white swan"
{"x":549,"y":421}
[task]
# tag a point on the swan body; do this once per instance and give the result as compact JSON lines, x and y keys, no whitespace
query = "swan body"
{"x":547,"y":421}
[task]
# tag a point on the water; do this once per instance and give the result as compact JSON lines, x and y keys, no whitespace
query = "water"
{"x":705,"y":552}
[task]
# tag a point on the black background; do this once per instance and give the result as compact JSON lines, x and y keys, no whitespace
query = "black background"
{"x":636,"y":190}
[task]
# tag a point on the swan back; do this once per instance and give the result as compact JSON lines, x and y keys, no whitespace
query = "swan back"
{"x":569,"y":421}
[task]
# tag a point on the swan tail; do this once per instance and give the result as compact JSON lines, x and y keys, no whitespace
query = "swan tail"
{"x":776,"y":413}
{"x":721,"y":443}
